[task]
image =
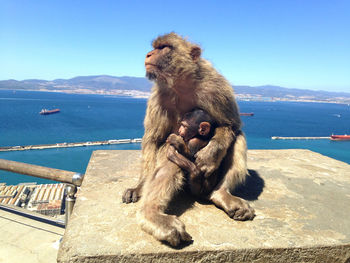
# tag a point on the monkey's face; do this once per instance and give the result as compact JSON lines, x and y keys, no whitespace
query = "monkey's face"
{"x":187,"y":131}
{"x":157,"y":61}
{"x":172,"y":57}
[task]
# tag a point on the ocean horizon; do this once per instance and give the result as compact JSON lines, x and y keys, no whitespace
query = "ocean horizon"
{"x":98,"y":117}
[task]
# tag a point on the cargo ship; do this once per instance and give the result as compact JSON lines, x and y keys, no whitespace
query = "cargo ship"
{"x":247,"y":114}
{"x":46,"y":112}
{"x":344,"y":137}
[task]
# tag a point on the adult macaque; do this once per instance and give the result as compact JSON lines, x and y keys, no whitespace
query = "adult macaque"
{"x":184,"y":81}
{"x":196,"y":129}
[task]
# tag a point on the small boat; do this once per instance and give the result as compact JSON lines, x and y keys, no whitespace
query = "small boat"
{"x":344,"y":137}
{"x":46,"y":112}
{"x":247,"y":114}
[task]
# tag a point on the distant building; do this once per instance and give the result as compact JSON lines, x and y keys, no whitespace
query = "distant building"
{"x":11,"y":194}
{"x":45,"y":199}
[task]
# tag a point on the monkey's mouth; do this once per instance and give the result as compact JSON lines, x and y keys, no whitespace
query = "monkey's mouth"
{"x":150,"y":65}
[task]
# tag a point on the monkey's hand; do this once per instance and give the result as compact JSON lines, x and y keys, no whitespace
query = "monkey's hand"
{"x":209,"y":158}
{"x":133,"y":194}
{"x":176,"y":141}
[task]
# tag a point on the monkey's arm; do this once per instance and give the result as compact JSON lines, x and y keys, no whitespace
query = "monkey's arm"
{"x":182,"y":161}
{"x":180,"y":154}
{"x":194,"y":178}
{"x":158,"y":126}
{"x":154,"y":138}
{"x":209,"y":158}
{"x":149,"y":151}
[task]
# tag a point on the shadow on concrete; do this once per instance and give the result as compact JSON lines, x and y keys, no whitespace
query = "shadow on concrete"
{"x":252,"y":188}
{"x":180,"y":246}
{"x":250,"y":191}
{"x":180,"y":203}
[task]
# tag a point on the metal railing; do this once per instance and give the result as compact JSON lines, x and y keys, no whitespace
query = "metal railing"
{"x":71,"y":179}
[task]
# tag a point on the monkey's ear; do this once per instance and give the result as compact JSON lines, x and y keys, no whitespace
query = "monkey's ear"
{"x":204,"y":128}
{"x":195,"y":53}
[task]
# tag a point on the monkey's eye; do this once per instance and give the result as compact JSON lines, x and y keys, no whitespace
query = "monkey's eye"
{"x":164,"y":46}
{"x":184,"y":124}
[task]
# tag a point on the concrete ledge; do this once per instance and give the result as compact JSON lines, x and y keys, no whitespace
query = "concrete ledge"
{"x":26,"y":240}
{"x":301,"y":200}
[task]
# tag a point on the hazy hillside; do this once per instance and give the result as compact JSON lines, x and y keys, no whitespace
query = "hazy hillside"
{"x":276,"y":91}
{"x":101,"y":82}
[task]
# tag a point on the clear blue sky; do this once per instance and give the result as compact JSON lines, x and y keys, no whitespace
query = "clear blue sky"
{"x":291,"y":43}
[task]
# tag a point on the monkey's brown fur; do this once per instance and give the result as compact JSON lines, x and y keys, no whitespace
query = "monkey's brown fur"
{"x":183,"y":81}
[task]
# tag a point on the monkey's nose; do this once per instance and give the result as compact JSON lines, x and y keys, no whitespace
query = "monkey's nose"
{"x":149,"y":54}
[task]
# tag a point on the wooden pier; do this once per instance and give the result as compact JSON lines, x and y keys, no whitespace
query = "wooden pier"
{"x":299,"y":138}
{"x":66,"y":145}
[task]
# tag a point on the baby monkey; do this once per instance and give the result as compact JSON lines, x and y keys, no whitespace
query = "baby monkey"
{"x":195,"y":131}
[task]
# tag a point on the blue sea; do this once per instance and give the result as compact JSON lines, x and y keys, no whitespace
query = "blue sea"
{"x":97,"y":117}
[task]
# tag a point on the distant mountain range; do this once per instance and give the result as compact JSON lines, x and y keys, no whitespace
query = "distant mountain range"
{"x":140,"y":87}
{"x":276,"y":91}
{"x":87,"y":82}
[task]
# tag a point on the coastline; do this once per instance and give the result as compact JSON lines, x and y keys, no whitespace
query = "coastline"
{"x":136,"y":94}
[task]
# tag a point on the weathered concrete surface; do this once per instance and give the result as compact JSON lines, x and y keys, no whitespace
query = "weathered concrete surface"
{"x":301,"y":198}
{"x":26,"y":240}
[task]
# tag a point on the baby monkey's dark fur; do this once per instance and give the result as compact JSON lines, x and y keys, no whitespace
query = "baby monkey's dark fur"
{"x":196,"y":129}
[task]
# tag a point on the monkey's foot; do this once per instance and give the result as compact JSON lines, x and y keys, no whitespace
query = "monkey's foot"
{"x":165,"y":228}
{"x":235,"y":207}
{"x":241,"y":212}
{"x":131,"y":195}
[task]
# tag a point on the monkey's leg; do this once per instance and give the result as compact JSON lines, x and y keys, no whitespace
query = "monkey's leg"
{"x":235,"y":167}
{"x":157,"y":193}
